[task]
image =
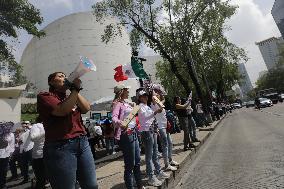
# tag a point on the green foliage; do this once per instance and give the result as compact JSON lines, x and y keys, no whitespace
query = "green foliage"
{"x":274,"y":78}
{"x":16,"y":15}
{"x":169,"y":81}
{"x":252,"y":94}
{"x":29,"y":117}
{"x":17,"y":69}
{"x":29,"y":108}
{"x":183,"y":33}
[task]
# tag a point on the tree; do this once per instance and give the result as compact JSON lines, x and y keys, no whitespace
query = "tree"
{"x":16,"y":15}
{"x":169,"y":27}
{"x":17,"y":70}
{"x":272,"y":79}
{"x":169,"y":81}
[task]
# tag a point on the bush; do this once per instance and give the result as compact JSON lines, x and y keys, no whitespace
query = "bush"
{"x":29,"y":117}
{"x":29,"y":108}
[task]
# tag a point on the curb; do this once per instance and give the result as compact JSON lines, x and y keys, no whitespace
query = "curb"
{"x":176,"y":176}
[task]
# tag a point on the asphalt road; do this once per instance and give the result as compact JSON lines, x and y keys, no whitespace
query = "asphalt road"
{"x":246,"y":151}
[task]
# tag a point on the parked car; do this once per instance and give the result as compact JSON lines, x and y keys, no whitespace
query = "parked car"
{"x":250,"y":104}
{"x":265,"y":102}
{"x":281,"y":97}
{"x":237,"y":105}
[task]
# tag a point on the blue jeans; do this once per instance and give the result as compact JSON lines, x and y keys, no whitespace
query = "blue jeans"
{"x":131,"y":154}
{"x":185,"y":127}
{"x":70,"y":160}
{"x":192,"y":128}
{"x":167,"y":145}
{"x":151,"y":153}
{"x":110,"y":145}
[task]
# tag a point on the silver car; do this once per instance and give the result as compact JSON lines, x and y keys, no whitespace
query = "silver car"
{"x":265,"y":102}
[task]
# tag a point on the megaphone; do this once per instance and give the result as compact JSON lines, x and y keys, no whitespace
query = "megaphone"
{"x":85,"y":65}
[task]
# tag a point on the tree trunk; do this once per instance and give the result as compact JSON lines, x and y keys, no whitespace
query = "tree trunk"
{"x":197,"y":86}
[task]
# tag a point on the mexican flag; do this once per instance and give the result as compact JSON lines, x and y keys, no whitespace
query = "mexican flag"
{"x":133,"y":70}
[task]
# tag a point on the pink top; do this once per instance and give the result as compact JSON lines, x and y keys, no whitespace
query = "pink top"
{"x":119,"y":113}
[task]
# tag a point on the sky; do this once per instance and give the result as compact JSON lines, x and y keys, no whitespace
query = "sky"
{"x":252,"y":23}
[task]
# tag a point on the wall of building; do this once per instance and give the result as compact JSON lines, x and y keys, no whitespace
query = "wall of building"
{"x":66,"y":39}
{"x":269,"y":51}
{"x":245,"y":83}
{"x":10,"y":110}
{"x":278,"y":15}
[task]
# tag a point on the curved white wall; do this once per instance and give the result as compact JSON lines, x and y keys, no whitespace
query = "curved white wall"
{"x":66,"y":39}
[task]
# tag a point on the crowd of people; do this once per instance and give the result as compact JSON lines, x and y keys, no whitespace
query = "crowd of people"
{"x":61,"y":149}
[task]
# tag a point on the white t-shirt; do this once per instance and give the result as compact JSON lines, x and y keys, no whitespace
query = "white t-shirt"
{"x":161,"y":118}
{"x":37,"y":135}
{"x":27,"y":144}
{"x":10,"y":148}
{"x":146,"y":117}
{"x":199,"y":108}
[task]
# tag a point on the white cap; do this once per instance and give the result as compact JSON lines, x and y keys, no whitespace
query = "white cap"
{"x":26,"y":122}
{"x":141,"y":93}
{"x":118,"y":88}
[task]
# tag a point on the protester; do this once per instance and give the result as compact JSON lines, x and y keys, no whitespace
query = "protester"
{"x":109,"y":136}
{"x":91,"y":136}
{"x":127,"y":137}
{"x":184,"y":121}
{"x":37,"y":134}
{"x":99,"y":137}
{"x":191,"y":124}
{"x":26,"y":146}
{"x":66,"y":150}
{"x":7,"y":147}
{"x":165,"y":136}
{"x":171,"y":117}
{"x":149,"y":137}
{"x":16,"y":156}
{"x":201,"y":120}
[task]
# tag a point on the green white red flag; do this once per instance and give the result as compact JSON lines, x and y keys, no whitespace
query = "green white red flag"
{"x":133,"y":70}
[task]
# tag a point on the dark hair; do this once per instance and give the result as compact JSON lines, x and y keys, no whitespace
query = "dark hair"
{"x":175,"y":99}
{"x":51,"y":77}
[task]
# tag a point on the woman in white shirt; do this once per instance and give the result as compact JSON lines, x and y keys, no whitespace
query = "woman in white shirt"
{"x":146,"y":118}
{"x":37,"y":135}
{"x":7,"y":148}
{"x":165,"y":136}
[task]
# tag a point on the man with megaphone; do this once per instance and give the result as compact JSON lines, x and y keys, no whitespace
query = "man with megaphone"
{"x":67,"y":154}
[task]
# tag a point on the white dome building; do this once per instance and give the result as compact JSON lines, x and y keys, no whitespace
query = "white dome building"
{"x":66,"y":39}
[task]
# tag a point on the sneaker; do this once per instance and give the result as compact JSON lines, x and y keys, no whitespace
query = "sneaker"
{"x":162,"y":175}
{"x":174,"y":163}
{"x":154,"y":182}
{"x":170,"y":168}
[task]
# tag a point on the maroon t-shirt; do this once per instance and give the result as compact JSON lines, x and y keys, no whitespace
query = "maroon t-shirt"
{"x":58,"y":127}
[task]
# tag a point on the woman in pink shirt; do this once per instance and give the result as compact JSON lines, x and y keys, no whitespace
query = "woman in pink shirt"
{"x":127,"y":137}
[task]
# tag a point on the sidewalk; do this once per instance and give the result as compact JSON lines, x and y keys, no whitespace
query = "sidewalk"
{"x":110,"y":169}
{"x":110,"y":176}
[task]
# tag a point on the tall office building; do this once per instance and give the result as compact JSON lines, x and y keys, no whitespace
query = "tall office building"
{"x":245,"y":83}
{"x":269,"y":50}
{"x":278,"y":15}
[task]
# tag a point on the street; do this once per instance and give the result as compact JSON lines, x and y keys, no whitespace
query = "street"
{"x":246,"y":151}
